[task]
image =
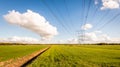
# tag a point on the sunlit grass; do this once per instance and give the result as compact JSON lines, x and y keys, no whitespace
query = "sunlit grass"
{"x":11,"y":52}
{"x":79,"y":56}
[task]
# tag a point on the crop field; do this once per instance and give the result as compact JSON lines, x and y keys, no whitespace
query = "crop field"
{"x":8,"y":52}
{"x":65,"y":55}
{"x":79,"y":56}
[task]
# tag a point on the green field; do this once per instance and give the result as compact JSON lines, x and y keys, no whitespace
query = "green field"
{"x":79,"y":56}
{"x":66,"y":55}
{"x":8,"y":52}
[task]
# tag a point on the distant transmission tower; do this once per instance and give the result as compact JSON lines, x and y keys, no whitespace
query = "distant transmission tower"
{"x":81,"y":36}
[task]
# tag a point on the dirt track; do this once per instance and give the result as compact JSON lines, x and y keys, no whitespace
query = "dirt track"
{"x":20,"y":62}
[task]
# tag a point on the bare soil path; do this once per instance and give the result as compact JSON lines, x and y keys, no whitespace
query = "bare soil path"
{"x":22,"y":62}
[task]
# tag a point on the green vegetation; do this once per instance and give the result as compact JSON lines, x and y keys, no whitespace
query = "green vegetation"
{"x":66,"y":55}
{"x":8,"y":52}
{"x":79,"y":56}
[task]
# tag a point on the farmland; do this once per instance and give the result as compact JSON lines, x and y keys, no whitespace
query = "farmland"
{"x":8,"y":52}
{"x":66,"y":55}
{"x":79,"y":56}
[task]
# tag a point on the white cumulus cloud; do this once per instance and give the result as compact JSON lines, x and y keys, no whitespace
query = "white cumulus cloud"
{"x":32,"y":21}
{"x":86,"y":26}
{"x":110,"y":4}
{"x":96,"y":2}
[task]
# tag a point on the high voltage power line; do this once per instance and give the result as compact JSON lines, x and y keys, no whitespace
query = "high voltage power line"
{"x":95,"y":13}
{"x":101,"y":19}
{"x":55,"y":16}
{"x":66,"y":6}
{"x":82,"y":37}
{"x":117,"y":15}
{"x":63,"y":19}
{"x":85,"y":15}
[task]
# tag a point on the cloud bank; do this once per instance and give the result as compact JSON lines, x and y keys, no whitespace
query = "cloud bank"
{"x":72,"y":41}
{"x":28,"y":40}
{"x":32,"y":21}
{"x":110,"y":4}
{"x":17,"y":39}
{"x":94,"y":37}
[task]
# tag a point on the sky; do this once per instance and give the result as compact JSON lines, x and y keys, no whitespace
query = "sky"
{"x":61,"y":19}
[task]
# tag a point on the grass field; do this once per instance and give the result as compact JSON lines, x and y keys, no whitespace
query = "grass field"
{"x":8,"y":52}
{"x":79,"y":56}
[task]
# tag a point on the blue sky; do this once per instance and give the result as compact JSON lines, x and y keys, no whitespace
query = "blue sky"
{"x":70,"y":14}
